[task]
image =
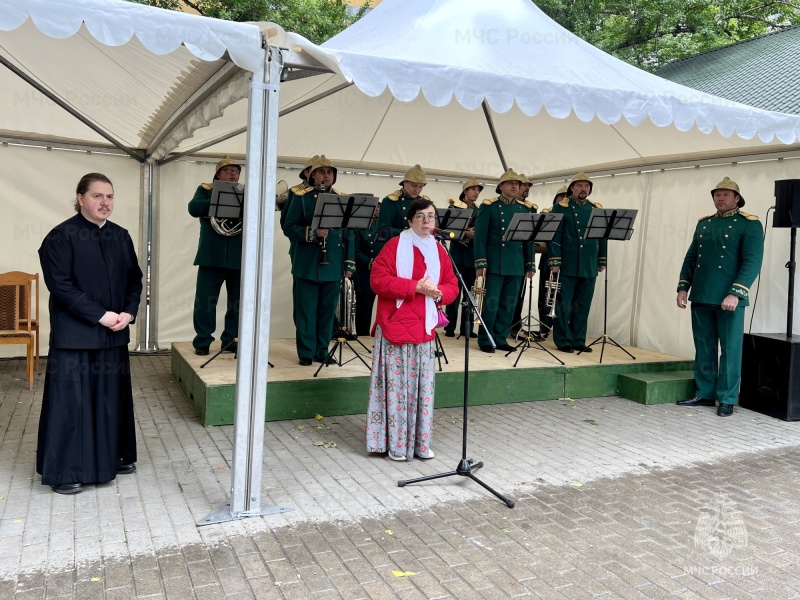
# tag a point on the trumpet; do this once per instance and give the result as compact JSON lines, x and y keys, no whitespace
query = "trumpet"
{"x":346,"y":310}
{"x":478,"y":292}
{"x":552,"y":285}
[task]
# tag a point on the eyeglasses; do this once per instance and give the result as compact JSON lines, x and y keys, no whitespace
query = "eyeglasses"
{"x":424,"y":217}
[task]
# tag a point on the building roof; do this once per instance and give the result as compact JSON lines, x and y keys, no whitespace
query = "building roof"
{"x":762,"y":72}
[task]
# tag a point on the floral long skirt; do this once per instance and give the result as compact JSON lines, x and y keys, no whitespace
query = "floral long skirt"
{"x":400,"y":411}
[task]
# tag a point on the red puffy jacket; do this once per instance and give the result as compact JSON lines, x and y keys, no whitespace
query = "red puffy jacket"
{"x":406,"y":325}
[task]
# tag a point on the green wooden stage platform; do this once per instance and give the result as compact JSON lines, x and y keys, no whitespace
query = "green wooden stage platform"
{"x":293,"y":392}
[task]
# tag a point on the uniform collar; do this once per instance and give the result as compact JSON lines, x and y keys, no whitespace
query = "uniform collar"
{"x":578,"y":202}
{"x":505,"y":200}
{"x":729,"y":213}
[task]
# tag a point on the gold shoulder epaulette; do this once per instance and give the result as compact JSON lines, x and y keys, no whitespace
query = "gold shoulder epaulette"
{"x":295,"y":189}
{"x":529,"y":205}
{"x":706,"y":217}
{"x":595,"y":204}
{"x":489,"y":201}
{"x":207,"y":186}
{"x":456,"y":203}
{"x":338,"y":192}
{"x":395,"y":196}
{"x":748,"y":216}
{"x":424,"y":197}
{"x":304,"y":190}
{"x":564,"y":202}
{"x":547,"y":210}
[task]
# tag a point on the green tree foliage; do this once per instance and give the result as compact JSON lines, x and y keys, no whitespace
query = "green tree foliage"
{"x":651,"y":33}
{"x":317,"y":20}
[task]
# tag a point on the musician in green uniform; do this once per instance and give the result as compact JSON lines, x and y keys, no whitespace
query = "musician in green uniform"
{"x":218,"y":260}
{"x":516,"y":319}
{"x":721,"y":264}
{"x":301,"y":188}
{"x":463,"y":255}
{"x":579,"y":261}
{"x":545,"y":320}
{"x":394,"y":207}
{"x":368,"y":243}
{"x":316,"y":283}
{"x":503,"y":264}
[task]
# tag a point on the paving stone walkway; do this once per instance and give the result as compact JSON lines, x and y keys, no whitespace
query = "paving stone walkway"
{"x":613,"y":500}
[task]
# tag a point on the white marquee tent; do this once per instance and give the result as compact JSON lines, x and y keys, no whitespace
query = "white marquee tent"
{"x":463,"y":87}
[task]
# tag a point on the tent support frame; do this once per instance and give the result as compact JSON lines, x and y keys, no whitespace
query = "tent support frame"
{"x":138,"y":156}
{"x":255,"y":299}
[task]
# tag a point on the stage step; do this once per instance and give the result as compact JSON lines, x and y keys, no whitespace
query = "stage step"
{"x":662,"y":387}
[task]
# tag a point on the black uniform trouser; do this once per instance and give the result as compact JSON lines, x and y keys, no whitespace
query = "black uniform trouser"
{"x":454,"y":308}
{"x":315,"y":307}
{"x":209,"y":284}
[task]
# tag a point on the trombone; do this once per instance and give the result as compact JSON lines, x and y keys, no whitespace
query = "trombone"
{"x":552,"y":285}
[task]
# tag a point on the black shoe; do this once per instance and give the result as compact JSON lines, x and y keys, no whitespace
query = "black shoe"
{"x":126,"y":469}
{"x":201,"y":351}
{"x":583,"y":349}
{"x":487,"y":349}
{"x":696,"y":401}
{"x":506,"y":347}
{"x":567,"y":349}
{"x":537,"y":337}
{"x":305,"y":362}
{"x":449,"y":334}
{"x":67,"y":488}
{"x":724,"y":410}
{"x":473,"y":335}
{"x":232,"y":348}
{"x":328,"y":360}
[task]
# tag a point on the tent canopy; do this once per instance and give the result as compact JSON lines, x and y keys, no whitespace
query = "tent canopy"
{"x":434,"y":80}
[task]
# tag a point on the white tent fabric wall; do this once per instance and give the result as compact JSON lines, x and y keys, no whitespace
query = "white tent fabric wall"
{"x":38,"y":194}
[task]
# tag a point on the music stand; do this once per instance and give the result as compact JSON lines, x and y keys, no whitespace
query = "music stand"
{"x":531,"y":228}
{"x":609,"y":224}
{"x":227,"y":200}
{"x":343,"y":211}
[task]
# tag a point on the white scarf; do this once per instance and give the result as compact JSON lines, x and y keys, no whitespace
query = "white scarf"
{"x":409,"y":240}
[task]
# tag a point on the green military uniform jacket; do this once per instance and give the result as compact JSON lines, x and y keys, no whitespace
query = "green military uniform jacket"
{"x":463,"y":251}
{"x":394,"y":209}
{"x":575,"y":256}
{"x":301,"y":189}
{"x":724,"y":258}
{"x":308,"y":248}
{"x":491,"y":252}
{"x":368,"y":244}
{"x":213,"y":250}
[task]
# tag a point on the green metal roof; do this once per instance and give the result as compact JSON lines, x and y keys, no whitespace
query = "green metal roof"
{"x":762,"y":72}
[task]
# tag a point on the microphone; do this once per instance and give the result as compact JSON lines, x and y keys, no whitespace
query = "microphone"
{"x":442,"y":234}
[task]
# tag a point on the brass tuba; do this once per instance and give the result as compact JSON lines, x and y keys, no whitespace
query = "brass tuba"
{"x":226,"y":227}
{"x":478,"y":292}
{"x":346,"y":311}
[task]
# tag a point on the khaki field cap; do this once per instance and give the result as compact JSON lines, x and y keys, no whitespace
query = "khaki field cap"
{"x":309,"y":162}
{"x":561,"y":190}
{"x":524,"y":179}
{"x":226,"y":162}
{"x":507,"y":176}
{"x":415,"y":175}
{"x":580,"y":177}
{"x":728,"y":184}
{"x":322,"y":162}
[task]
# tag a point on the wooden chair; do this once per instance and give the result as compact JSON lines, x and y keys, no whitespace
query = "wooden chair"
{"x":14,"y":289}
{"x":25,"y":307}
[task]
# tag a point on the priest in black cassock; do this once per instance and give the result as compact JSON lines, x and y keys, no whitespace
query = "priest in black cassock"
{"x":86,"y":428}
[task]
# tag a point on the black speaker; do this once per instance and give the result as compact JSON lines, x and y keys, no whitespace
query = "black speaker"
{"x":771,"y":375}
{"x":787,"y":203}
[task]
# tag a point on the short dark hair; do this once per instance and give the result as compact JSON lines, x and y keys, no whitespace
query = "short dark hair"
{"x":417,"y":205}
{"x":85,"y":183}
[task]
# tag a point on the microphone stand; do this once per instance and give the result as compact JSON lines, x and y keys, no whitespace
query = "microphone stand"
{"x":466,"y":466}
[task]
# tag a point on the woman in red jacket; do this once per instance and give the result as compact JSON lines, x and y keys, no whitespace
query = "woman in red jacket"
{"x":411,"y":275}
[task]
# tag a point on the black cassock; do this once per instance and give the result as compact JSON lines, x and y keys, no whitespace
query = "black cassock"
{"x":86,"y":427}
